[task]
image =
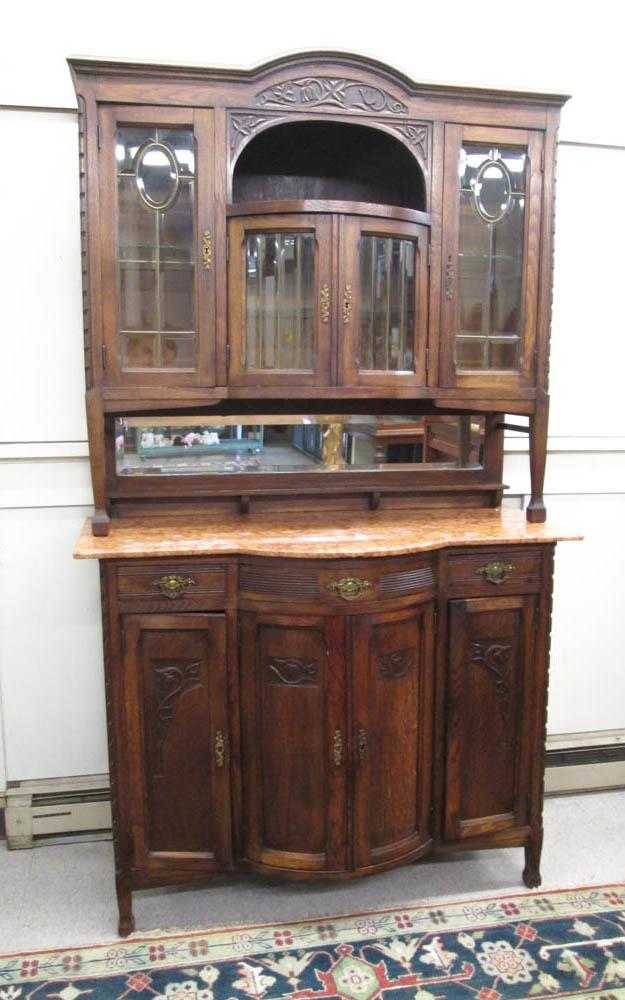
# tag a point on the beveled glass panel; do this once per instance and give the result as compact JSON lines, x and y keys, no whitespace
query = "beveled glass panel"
{"x":178,"y":350}
{"x":137,"y":299}
{"x":156,"y":174}
{"x":176,"y":290}
{"x":140,"y":350}
{"x":156,"y":213}
{"x":305,"y":443}
{"x":490,"y":255}
{"x":279,"y":301}
{"x":386,"y":303}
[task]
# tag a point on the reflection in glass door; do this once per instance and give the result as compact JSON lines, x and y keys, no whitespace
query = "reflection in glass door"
{"x":387,"y":303}
{"x":279,"y":301}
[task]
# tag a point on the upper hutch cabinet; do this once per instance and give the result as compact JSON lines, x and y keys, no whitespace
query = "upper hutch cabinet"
{"x":491,"y":229}
{"x":157,"y":245}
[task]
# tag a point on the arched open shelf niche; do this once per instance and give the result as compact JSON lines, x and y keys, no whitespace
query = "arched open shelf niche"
{"x":328,"y":161}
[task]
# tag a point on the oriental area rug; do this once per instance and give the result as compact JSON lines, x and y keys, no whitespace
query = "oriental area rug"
{"x":569,"y":943}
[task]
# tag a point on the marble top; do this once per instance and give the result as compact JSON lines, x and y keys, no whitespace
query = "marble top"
{"x":327,"y":536}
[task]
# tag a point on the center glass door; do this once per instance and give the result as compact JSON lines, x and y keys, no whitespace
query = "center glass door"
{"x":383,"y":302}
{"x":280,"y":300}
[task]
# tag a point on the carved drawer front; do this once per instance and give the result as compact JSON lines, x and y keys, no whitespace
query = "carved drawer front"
{"x":339,"y":584}
{"x":181,"y":586}
{"x":513,"y":569}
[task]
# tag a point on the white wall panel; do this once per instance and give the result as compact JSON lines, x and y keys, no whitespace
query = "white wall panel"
{"x":588,"y":335}
{"x":41,"y":373}
{"x":587,"y":688}
{"x":540,"y":45}
{"x":50,"y":647}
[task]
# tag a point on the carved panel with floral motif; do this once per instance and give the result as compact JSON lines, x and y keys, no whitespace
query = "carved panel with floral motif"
{"x":493,"y":655}
{"x":290,"y":670}
{"x":397,"y":664}
{"x":172,"y":680}
{"x":335,"y":92}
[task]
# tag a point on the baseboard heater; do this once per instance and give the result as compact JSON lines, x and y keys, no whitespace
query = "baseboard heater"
{"x":59,"y":810}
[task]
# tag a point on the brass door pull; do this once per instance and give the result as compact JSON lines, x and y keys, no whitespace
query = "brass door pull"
{"x":207,"y":249}
{"x":495,"y":572}
{"x":324,"y":303}
{"x":338,"y":747}
{"x":350,"y":588}
{"x":347,"y":304}
{"x":172,"y":585}
{"x":362,"y":743}
{"x":220,"y":749}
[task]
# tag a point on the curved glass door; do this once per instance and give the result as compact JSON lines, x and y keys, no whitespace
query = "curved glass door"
{"x":280,"y":299}
{"x":383,"y":305}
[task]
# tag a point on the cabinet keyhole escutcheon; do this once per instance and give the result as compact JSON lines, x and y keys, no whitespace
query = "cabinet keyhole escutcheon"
{"x":220,"y":749}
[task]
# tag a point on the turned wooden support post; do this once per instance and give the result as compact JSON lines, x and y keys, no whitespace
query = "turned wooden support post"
{"x":536,"y":510}
{"x":97,"y":454}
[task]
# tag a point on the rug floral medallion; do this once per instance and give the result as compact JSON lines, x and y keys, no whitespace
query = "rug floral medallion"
{"x":568,"y":943}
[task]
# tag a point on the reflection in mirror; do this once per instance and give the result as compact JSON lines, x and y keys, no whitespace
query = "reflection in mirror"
{"x":181,"y":445}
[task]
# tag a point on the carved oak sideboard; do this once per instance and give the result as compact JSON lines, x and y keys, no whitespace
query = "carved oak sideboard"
{"x":313,"y":293}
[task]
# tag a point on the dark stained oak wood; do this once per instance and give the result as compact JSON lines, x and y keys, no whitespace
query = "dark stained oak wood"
{"x":295,"y":758}
{"x":392,"y":688}
{"x":175,"y":667}
{"x":260,"y":718}
{"x":491,"y":642}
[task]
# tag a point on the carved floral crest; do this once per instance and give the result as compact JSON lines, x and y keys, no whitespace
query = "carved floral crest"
{"x":338,"y":92}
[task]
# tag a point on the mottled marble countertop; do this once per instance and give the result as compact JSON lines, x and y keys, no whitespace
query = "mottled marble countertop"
{"x":328,"y":536}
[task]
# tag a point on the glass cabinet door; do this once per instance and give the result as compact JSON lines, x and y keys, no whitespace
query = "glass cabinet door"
{"x":490,"y":264}
{"x":382,"y":319}
{"x":280,"y":300}
{"x":158,"y":246}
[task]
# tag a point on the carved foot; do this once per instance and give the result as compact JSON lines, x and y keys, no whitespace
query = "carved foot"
{"x":126,"y":925}
{"x":124,"y":904}
{"x":100,"y":522}
{"x":531,"y":872}
{"x":536,"y":512}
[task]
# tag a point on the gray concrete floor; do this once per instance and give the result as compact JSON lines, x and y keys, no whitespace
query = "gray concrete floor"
{"x":63,"y":896}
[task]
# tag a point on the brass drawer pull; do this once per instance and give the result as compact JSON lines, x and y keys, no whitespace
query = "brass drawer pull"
{"x":324,"y":303}
{"x":362,"y":744}
{"x":495,"y":572}
{"x":338,"y":746}
{"x":171,"y":585}
{"x":207,"y":249}
{"x":347,"y":304}
{"x":220,"y":749}
{"x":350,"y":588}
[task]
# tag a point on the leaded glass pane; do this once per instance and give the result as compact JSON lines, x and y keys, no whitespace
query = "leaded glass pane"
{"x":156,"y":267}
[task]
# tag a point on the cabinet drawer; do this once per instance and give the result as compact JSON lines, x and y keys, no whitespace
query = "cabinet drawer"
{"x":515,"y":569}
{"x":337,"y":584}
{"x":173,"y":586}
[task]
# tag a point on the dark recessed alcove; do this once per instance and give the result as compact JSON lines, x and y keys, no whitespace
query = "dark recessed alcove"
{"x":328,"y":161}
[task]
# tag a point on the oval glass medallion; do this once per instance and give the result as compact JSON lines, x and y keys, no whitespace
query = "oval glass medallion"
{"x":156,"y":175}
{"x":492,"y":191}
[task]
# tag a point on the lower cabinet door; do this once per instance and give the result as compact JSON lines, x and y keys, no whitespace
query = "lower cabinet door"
{"x":392,"y":685}
{"x":489,"y":715}
{"x":294,"y":741}
{"x":176,"y":706}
